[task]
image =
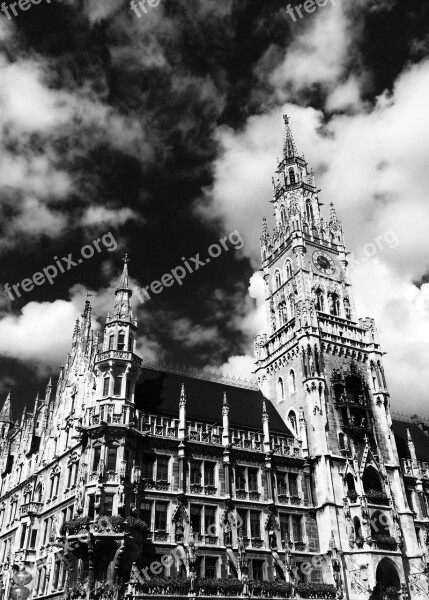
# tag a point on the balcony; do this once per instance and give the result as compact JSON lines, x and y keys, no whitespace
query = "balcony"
{"x":385,"y":542}
{"x":31,"y":508}
{"x":376,"y":497}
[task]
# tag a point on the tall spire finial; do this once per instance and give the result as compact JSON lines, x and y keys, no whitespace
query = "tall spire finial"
{"x":123,"y":294}
{"x":6,"y":411}
{"x":289,"y":148}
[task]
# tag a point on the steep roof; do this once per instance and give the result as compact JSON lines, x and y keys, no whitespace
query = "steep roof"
{"x":420,"y":439}
{"x":159,"y":392}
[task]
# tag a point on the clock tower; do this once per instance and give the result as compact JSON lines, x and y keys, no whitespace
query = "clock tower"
{"x":322,"y":368}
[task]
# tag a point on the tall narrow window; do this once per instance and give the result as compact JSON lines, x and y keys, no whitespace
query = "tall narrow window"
{"x":282,"y":215}
{"x":147,"y":466}
{"x":278,"y":279}
{"x":111,"y":458}
{"x":293,"y":484}
{"x":242,"y":522}
{"x":281,"y":389}
{"x":210,"y":520}
{"x":292,"y":176}
{"x":253,"y":480}
{"x":240,"y":478}
{"x":111,"y":342}
{"x":23,"y":535}
{"x":255,"y":524}
{"x":117,"y":388}
{"x":297,"y":527}
{"x":288,"y":269}
{"x":106,"y":386}
{"x":146,"y":513}
{"x":162,"y":468}
{"x":108,"y":505}
{"x":209,"y":473}
{"x":196,"y":473}
{"x":130,"y":343}
{"x":161,"y":516}
{"x":121,"y":341}
{"x":91,"y":506}
{"x":292,"y":381}
{"x":284,"y":526}
{"x":196,"y":519}
{"x":96,"y":457}
{"x":292,"y":421}
{"x":320,"y":300}
{"x":128,"y":389}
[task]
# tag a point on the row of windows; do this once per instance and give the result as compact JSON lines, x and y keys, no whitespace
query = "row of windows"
{"x":330,"y":303}
{"x":120,"y":345}
{"x":113,"y":386}
{"x":203,"y":473}
{"x":203,"y":519}
{"x":291,"y":383}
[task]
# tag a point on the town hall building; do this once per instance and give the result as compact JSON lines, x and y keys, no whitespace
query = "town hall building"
{"x":133,"y":480}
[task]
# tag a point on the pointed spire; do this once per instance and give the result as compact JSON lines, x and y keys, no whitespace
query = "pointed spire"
{"x":122,"y":308}
{"x":182,"y":413}
{"x":6,"y":411}
{"x":225,"y":421}
{"x":289,"y":148}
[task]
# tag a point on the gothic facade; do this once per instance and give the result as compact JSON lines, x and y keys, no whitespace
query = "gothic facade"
{"x":132,"y":480}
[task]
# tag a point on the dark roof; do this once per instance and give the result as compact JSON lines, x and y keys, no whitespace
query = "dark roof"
{"x":159,"y":393}
{"x":420,"y":439}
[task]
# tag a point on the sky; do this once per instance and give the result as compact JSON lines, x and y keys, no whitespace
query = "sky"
{"x":160,"y":134}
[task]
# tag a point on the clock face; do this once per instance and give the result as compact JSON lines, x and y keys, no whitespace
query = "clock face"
{"x":324,"y":262}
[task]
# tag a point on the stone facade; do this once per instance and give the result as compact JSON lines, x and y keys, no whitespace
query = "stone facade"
{"x":142,"y":481}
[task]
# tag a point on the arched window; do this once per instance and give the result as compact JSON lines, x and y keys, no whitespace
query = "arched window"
{"x":281,"y":389}
{"x":309,"y":209}
{"x":371,"y":480}
{"x":334,"y":305}
{"x":292,"y":421}
{"x":278,"y":279}
{"x":357,"y":528}
{"x":320,"y":300}
{"x":283,"y":215}
{"x":111,"y":342}
{"x":347,"y":309}
{"x":342,"y":441}
{"x":292,"y":176}
{"x":350,"y":480}
{"x":288,"y":269}
{"x":292,"y":381}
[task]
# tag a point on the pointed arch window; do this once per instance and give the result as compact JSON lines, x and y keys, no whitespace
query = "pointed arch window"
{"x":334,"y":305}
{"x":288,"y":269}
{"x":292,"y":178}
{"x":292,"y":381}
{"x":309,"y":210}
{"x":283,"y":215}
{"x":281,"y":389}
{"x":320,"y":300}
{"x":293,"y":421}
{"x":278,"y":279}
{"x":347,"y":309}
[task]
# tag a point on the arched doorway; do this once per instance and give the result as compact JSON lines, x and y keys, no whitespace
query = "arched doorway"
{"x":387,"y":580}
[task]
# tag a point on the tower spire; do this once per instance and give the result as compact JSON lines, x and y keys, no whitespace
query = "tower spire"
{"x":289,"y":148}
{"x":122,"y":308}
{"x":6,"y":411}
